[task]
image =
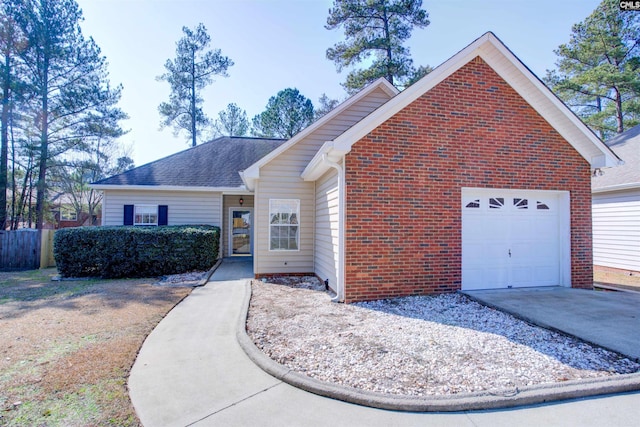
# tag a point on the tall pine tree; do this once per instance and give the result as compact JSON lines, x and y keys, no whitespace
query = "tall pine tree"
{"x":192,"y":69}
{"x":11,"y":45}
{"x":598,"y":70}
{"x":378,"y":28}
{"x":66,"y":82}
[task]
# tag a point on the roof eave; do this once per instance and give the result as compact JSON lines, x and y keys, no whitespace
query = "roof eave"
{"x":107,"y":187}
{"x":617,"y":187}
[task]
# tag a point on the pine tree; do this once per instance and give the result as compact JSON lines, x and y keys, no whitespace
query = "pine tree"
{"x":11,"y":45}
{"x":67,"y":81}
{"x":232,"y":121}
{"x":598,"y":70}
{"x":379,"y":28}
{"x":192,"y":69}
{"x":285,"y":115}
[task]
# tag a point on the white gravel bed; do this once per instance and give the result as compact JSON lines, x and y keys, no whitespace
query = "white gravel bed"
{"x":192,"y":278}
{"x":415,"y":346}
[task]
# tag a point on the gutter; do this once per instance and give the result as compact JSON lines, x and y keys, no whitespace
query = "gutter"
{"x":341,"y":216}
{"x":617,"y":187}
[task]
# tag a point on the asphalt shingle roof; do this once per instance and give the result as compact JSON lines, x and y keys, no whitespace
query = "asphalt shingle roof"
{"x":212,"y":164}
{"x":627,"y":147}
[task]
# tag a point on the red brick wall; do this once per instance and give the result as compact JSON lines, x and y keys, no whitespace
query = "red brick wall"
{"x":404,"y":179}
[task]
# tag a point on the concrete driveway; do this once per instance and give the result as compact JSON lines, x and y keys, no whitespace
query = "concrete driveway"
{"x":608,"y":319}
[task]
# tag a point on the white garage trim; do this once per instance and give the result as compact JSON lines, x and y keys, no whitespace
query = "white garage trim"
{"x":515,"y":238}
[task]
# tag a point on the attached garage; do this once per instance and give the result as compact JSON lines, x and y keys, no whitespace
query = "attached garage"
{"x":515,"y":238}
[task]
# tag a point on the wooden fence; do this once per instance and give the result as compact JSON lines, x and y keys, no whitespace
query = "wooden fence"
{"x":26,"y":249}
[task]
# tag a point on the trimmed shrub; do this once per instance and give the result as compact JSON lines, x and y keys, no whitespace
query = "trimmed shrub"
{"x":116,"y":252}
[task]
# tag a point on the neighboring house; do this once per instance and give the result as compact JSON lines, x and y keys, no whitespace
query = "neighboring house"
{"x":475,"y":177}
{"x":65,"y":214}
{"x":616,"y":207}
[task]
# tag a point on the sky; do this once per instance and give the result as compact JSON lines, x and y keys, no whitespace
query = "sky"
{"x":277,"y":44}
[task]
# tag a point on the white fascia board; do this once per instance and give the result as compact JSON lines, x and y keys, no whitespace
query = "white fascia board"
{"x":618,"y":187}
{"x":481,"y":47}
{"x":253,"y":171}
{"x":317,"y":166}
{"x":167,"y":188}
{"x":587,"y":141}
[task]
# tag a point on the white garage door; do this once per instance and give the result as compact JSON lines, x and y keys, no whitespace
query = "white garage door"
{"x":511,"y":238}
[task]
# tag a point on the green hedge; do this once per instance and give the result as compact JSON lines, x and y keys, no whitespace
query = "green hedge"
{"x":115,"y":252}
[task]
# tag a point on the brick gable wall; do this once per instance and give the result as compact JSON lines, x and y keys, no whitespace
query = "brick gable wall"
{"x":404,"y":180}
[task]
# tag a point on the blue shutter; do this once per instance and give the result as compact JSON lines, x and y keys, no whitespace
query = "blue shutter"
{"x":163,"y":215}
{"x":128,"y":215}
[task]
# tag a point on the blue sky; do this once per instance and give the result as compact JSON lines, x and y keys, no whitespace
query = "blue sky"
{"x":277,"y":44}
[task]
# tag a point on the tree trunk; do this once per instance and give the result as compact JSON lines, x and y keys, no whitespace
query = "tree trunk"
{"x":41,"y":186}
{"x":14,"y":221}
{"x":193,"y":100}
{"x":387,"y":38}
{"x":4,"y":148}
{"x":619,"y":112}
{"x":599,"y":107}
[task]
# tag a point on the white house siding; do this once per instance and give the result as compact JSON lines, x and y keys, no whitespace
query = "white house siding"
{"x":185,"y":207}
{"x":616,"y":229}
{"x":280,"y":179}
{"x":326,"y":232}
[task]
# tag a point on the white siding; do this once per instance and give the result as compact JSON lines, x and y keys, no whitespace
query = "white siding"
{"x":184,"y":207}
{"x":326,"y":232}
{"x":616,"y":229}
{"x":280,"y":179}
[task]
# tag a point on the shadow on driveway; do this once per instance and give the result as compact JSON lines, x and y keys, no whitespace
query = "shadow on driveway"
{"x":608,"y":319}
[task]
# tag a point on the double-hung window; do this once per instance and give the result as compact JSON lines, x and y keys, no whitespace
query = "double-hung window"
{"x":145,"y":215}
{"x":284,"y":224}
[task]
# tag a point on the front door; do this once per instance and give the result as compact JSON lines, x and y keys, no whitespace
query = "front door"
{"x":240,"y":231}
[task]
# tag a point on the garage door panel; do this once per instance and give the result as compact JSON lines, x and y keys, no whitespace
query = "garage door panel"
{"x":510,"y":238}
{"x":546,"y":275}
{"x":520,"y":276}
{"x":497,"y":277}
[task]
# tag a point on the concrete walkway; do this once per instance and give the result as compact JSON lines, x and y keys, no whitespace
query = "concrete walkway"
{"x":191,"y":371}
{"x":608,"y":319}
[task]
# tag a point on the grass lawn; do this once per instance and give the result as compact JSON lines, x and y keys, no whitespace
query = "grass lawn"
{"x":66,"y":348}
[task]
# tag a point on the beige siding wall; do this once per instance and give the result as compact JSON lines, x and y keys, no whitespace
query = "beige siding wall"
{"x":300,"y":261}
{"x":326,"y":231}
{"x":184,"y":207}
{"x":232,"y":202}
{"x":280,"y":179}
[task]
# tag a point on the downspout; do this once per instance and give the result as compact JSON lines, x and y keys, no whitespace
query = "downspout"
{"x":340,"y":273}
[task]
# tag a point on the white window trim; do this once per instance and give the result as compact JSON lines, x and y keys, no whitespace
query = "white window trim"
{"x":145,"y":224}
{"x":297,"y":201}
